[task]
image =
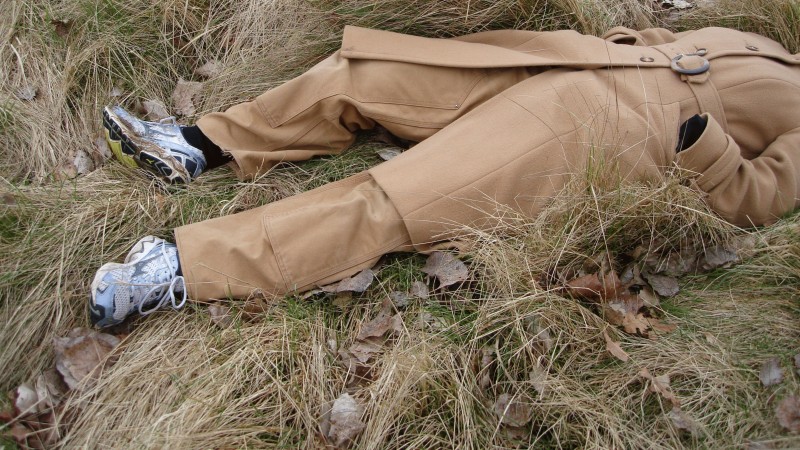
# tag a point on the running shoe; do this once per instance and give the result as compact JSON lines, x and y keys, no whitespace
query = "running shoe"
{"x":145,"y":282}
{"x":158,"y":147}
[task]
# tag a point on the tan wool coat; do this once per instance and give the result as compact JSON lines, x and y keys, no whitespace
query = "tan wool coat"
{"x":502,"y":117}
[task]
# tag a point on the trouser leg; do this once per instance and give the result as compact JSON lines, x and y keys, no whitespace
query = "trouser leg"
{"x":314,"y":238}
{"x":516,"y":151}
{"x":318,"y":112}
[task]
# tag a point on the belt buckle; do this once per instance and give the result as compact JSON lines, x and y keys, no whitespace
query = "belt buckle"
{"x":699,"y":53}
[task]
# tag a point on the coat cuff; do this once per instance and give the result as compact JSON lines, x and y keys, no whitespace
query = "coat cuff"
{"x":714,"y":156}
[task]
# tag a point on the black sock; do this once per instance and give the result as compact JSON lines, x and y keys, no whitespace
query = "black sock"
{"x":213,"y":154}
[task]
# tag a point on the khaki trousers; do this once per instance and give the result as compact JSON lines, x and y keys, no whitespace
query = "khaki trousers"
{"x":336,"y":230}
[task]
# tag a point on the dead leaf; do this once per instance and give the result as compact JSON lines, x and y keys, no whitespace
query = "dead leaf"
{"x":62,"y":27}
{"x":615,"y":349}
{"x":656,"y":325}
{"x":649,"y":298}
{"x":718,"y":256}
{"x":345,"y":420}
{"x":626,"y":305}
{"x":538,"y":377}
{"x":209,"y":70}
{"x":388,"y":153}
{"x":357,"y":370}
{"x":596,"y":286}
{"x":486,"y":369}
{"x":419,"y":290}
{"x":154,"y":110}
{"x":357,"y":283}
{"x":788,"y":413}
{"x":399,"y":299}
{"x":771,"y":372}
{"x":27,"y":93}
{"x":380,"y":325}
{"x":220,"y":315}
{"x":363,"y":350}
{"x":255,"y":307}
{"x":102,"y":150}
{"x":797,"y":363}
{"x":83,"y":353}
{"x":682,"y":421}
{"x":631,"y":275}
{"x":26,"y":401}
{"x":43,"y":431}
{"x":663,"y":285}
{"x":660,"y":385}
{"x":83,"y":162}
{"x":50,"y":388}
{"x":115,"y":92}
{"x":511,"y":411}
{"x":185,"y":95}
{"x":446,"y":268}
{"x":20,"y":433}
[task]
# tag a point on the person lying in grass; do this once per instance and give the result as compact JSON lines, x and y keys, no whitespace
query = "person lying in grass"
{"x":500,"y":117}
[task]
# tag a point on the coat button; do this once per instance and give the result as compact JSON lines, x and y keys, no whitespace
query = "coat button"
{"x":646,"y":59}
{"x":752,"y":47}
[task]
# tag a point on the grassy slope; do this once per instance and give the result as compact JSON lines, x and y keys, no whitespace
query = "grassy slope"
{"x":263,"y":384}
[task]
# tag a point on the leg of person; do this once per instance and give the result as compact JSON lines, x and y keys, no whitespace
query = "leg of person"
{"x":516,"y":150}
{"x":314,"y":238}
{"x":314,"y":114}
{"x":318,"y":112}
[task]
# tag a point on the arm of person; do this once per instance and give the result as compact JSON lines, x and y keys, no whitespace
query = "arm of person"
{"x":745,"y":192}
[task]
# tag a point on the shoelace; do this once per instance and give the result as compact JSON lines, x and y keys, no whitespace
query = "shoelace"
{"x":169,"y":293}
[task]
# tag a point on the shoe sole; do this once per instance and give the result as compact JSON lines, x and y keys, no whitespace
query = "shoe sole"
{"x":135,"y":152}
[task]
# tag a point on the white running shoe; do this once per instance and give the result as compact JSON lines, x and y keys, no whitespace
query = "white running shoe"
{"x":147,"y":279}
{"x":158,"y":147}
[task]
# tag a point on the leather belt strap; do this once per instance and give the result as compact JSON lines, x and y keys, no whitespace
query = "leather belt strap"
{"x":694,"y":70}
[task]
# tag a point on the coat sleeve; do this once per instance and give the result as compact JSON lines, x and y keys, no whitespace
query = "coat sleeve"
{"x":745,"y":192}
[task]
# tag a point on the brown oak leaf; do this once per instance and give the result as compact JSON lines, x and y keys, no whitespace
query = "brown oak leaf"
{"x":614,"y":348}
{"x":83,"y":353}
{"x":185,"y":95}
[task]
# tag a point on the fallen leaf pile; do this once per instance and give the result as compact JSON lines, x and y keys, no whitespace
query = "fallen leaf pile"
{"x":788,"y":410}
{"x":38,"y":412}
{"x":630,"y":298}
{"x":359,"y":358}
{"x":660,"y":385}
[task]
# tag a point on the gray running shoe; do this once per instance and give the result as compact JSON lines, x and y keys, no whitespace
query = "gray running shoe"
{"x":158,"y":147}
{"x":147,"y":279}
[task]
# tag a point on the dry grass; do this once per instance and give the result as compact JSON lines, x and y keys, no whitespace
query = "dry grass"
{"x":182,"y":382}
{"x":777,"y":19}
